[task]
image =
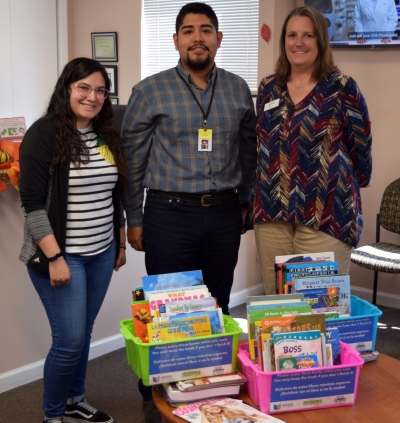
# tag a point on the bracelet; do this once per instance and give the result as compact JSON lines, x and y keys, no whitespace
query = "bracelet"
{"x":60,"y":254}
{"x":122,"y":246}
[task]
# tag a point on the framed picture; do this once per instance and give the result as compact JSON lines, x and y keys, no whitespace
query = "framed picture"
{"x":113,"y":75}
{"x":104,"y":46}
{"x":114,"y":100}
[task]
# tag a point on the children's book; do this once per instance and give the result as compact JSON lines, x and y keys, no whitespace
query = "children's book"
{"x":204,"y":383}
{"x":332,"y":338}
{"x":141,"y":316}
{"x":341,"y":281}
{"x":188,"y":327}
{"x":216,"y":319}
{"x":271,"y":299}
{"x":321,"y":297}
{"x":303,"y":270}
{"x":293,"y":323}
{"x":157,"y":298}
{"x":138,"y":294}
{"x":299,"y":362}
{"x":255,"y":315}
{"x":230,"y":410}
{"x":293,"y":344}
{"x":189,"y":306}
{"x":177,"y":281}
{"x":297,"y":258}
{"x":175,"y":396}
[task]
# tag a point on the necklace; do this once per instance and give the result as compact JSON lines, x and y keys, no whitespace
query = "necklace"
{"x":300,"y":89}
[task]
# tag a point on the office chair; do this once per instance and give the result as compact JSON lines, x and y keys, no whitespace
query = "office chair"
{"x":119,"y":111}
{"x":383,"y":256}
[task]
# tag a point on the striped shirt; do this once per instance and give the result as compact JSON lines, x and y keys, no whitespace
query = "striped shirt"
{"x":90,"y":208}
{"x":160,"y":138}
{"x":313,"y":157}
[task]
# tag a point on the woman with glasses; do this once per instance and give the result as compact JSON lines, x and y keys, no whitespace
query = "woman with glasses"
{"x":71,"y":165}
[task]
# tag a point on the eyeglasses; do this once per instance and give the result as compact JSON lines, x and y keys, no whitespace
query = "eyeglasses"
{"x":85,"y":90}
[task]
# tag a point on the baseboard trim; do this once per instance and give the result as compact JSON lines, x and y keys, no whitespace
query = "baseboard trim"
{"x":34,"y":371}
{"x":382,"y":298}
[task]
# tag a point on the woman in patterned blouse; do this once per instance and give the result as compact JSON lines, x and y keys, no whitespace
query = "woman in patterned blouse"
{"x":314,"y":151}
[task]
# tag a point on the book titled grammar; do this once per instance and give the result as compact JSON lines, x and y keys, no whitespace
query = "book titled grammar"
{"x":189,"y":327}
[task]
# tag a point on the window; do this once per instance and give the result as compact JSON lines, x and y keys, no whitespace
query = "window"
{"x":238,"y":21}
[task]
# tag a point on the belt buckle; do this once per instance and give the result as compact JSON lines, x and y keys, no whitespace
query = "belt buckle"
{"x":203,"y":198}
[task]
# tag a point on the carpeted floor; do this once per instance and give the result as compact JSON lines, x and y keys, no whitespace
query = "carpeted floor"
{"x":112,"y":386}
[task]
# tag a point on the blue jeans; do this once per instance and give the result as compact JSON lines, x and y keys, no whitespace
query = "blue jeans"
{"x":72,"y":310}
{"x":180,"y":236}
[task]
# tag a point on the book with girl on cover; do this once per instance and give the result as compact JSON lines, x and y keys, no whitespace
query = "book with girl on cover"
{"x":223,"y":410}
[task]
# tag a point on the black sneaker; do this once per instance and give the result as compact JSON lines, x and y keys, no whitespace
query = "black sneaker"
{"x":151,"y":412}
{"x":82,"y":412}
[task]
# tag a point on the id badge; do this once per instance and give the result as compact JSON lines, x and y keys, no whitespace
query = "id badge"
{"x":205,"y":140}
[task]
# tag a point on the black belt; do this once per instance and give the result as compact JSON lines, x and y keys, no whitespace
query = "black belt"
{"x":205,"y":200}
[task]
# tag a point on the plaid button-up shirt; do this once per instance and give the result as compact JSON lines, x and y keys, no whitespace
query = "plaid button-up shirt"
{"x":160,"y":138}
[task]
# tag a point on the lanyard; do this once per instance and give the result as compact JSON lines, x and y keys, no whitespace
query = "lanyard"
{"x":205,"y":114}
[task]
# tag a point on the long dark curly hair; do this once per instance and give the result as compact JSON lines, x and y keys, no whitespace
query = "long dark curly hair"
{"x":69,"y":144}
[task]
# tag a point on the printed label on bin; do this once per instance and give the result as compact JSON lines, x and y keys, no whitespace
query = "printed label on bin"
{"x":315,"y":389}
{"x":356,"y":332}
{"x":187,"y":360}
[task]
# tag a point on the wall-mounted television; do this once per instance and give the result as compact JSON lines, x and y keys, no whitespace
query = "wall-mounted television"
{"x":361,"y":23}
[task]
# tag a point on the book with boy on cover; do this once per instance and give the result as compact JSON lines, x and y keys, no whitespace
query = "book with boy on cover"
{"x":178,"y":281}
{"x":176,"y":397}
{"x":340,"y":281}
{"x":188,"y":327}
{"x":223,"y":410}
{"x":211,"y":382}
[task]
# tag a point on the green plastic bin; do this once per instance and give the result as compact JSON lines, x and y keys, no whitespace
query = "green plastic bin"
{"x":138,"y":353}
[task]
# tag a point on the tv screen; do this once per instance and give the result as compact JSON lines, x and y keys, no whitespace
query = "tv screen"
{"x":361,"y":23}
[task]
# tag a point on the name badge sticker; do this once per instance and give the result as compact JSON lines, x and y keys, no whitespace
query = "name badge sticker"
{"x":271,"y":105}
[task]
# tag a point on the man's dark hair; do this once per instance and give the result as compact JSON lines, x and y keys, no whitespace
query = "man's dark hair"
{"x":197,"y":9}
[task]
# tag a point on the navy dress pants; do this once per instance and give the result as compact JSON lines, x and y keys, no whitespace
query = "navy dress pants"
{"x":180,"y":236}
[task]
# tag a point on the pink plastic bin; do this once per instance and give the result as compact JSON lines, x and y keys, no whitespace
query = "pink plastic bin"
{"x":305,"y":389}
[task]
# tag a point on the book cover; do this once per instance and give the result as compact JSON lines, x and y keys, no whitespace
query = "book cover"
{"x":269,"y":299}
{"x":321,"y":297}
{"x":299,"y":362}
{"x":224,"y":410}
{"x":158,"y":298}
{"x":178,"y":281}
{"x":215,"y":316}
{"x":341,"y":281}
{"x":294,"y":323}
{"x":211,"y":382}
{"x":188,"y":306}
{"x":189,"y":327}
{"x":141,"y":316}
{"x":293,"y":344}
{"x":175,"y":396}
{"x":303,"y":270}
{"x":255,"y":315}
{"x":299,"y":258}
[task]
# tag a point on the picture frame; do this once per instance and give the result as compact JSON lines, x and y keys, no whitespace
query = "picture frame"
{"x":113,"y":75}
{"x":105,"y":46}
{"x":114,"y":100}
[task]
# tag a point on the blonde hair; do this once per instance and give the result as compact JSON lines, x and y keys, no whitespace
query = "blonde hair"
{"x":324,"y":64}
{"x":229,"y":413}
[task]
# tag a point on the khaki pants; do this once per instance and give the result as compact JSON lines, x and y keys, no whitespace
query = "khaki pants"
{"x":281,"y":238}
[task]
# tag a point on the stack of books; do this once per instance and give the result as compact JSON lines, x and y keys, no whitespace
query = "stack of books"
{"x":188,"y":391}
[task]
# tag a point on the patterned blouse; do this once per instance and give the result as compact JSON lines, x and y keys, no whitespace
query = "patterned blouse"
{"x":313,"y":157}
